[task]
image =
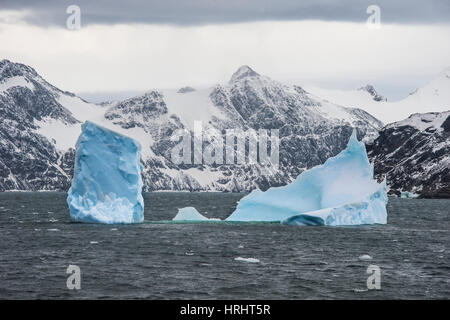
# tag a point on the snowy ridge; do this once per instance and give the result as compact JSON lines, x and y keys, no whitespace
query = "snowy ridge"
{"x":359,"y":98}
{"x":423,"y":121}
{"x":433,"y":97}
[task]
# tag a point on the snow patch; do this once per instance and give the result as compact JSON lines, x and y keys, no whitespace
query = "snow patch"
{"x":16,"y":81}
{"x":195,"y":106}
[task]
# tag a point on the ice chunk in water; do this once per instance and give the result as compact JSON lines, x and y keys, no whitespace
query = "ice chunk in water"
{"x":191,"y":214}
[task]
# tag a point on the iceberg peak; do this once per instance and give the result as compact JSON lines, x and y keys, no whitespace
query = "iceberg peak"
{"x":353,"y":141}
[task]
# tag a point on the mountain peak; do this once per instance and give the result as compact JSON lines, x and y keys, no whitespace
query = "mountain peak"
{"x":243,"y":72}
{"x":9,"y":69}
{"x":371,"y":90}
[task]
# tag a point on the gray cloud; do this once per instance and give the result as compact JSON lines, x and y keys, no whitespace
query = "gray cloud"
{"x":198,"y":12}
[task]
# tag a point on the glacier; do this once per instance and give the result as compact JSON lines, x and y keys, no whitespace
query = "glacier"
{"x":107,"y":184}
{"x":342,"y":191}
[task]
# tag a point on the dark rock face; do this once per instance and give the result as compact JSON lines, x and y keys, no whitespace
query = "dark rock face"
{"x":414,"y":155}
{"x":137,"y":111}
{"x":446,"y":124}
{"x":28,"y":161}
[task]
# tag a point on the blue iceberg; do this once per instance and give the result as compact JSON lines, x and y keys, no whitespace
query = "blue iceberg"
{"x":107,"y":183}
{"x":342,"y":191}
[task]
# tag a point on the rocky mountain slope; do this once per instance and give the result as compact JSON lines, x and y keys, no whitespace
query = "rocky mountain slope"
{"x":414,"y":154}
{"x":40,"y":124}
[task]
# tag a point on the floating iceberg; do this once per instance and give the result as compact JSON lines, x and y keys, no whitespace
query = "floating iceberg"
{"x":107,"y":184}
{"x":250,"y":260}
{"x":191,"y":214}
{"x":342,"y":191}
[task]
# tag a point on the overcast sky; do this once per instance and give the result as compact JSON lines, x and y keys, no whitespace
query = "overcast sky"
{"x":133,"y":46}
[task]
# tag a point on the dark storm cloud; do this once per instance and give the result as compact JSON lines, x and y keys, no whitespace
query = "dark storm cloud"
{"x":194,"y":12}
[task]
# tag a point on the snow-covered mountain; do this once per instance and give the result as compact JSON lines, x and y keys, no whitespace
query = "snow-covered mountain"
{"x":414,"y":154}
{"x":364,"y":96}
{"x":433,"y":97}
{"x":40,"y":124}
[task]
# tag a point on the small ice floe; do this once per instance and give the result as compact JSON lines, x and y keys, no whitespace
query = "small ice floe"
{"x":250,"y":260}
{"x":93,"y":242}
{"x":113,"y":229}
{"x":37,"y":229}
{"x":365,"y":257}
{"x":206,"y":264}
{"x":35,"y":213}
{"x":52,"y":229}
{"x":49,"y":211}
{"x":240,"y":246}
{"x":189,"y":253}
{"x":360,"y":290}
{"x":53,"y":220}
